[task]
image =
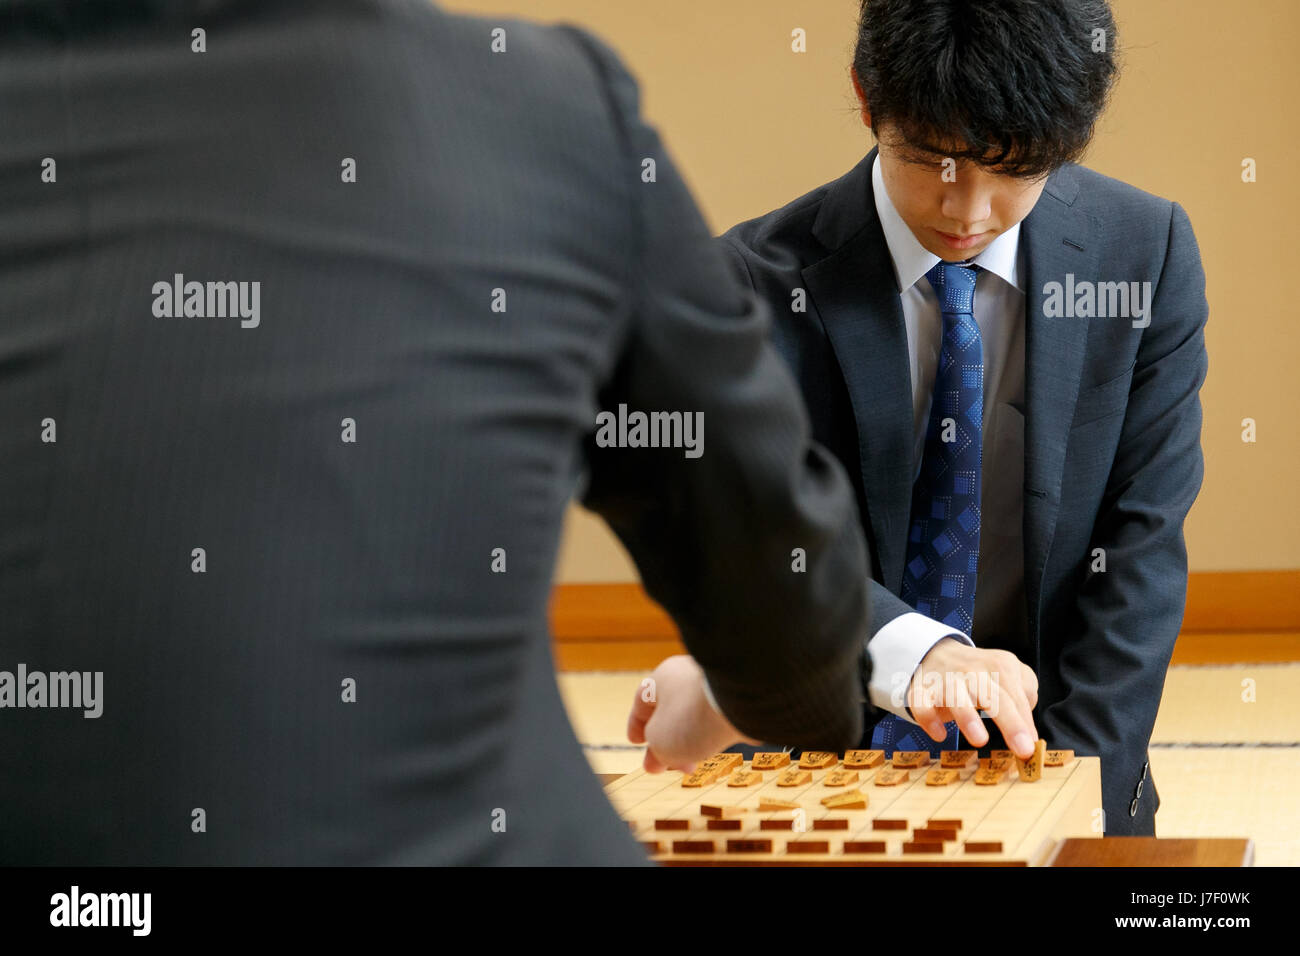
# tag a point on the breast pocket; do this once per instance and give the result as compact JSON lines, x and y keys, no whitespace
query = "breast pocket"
{"x":1103,"y":400}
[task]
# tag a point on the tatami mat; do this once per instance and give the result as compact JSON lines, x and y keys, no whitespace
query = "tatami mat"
{"x":1232,"y":792}
{"x":1244,"y":703}
{"x":1206,"y":789}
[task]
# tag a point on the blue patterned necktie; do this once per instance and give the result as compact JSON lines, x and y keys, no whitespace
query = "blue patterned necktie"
{"x":943,"y":540}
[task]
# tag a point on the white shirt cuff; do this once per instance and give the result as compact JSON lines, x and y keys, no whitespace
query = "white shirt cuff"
{"x":897,"y":650}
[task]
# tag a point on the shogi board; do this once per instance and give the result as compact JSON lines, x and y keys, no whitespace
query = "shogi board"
{"x":1011,"y":823}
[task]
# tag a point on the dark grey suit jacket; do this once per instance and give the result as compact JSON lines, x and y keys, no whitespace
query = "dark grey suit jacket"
{"x":1112,"y":436}
{"x":358,"y":456}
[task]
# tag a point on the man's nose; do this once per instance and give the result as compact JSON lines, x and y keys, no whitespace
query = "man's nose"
{"x":968,"y":205}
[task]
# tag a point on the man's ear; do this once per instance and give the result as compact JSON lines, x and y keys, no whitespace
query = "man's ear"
{"x":862,"y":99}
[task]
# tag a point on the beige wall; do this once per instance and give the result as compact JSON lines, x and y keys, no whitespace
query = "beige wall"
{"x":1205,"y":84}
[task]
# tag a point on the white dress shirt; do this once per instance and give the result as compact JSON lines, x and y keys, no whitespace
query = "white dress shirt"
{"x":897,"y":648}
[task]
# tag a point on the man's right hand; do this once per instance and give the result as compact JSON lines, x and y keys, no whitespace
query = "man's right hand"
{"x":955,"y":681}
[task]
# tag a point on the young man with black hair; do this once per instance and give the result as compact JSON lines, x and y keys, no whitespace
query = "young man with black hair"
{"x":1005,"y":350}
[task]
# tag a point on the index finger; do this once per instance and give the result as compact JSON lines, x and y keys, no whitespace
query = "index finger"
{"x":1011,"y":714}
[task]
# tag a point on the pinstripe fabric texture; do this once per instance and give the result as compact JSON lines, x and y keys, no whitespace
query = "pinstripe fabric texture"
{"x":322,"y":318}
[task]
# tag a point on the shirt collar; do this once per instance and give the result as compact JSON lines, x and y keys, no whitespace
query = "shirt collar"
{"x":912,"y":261}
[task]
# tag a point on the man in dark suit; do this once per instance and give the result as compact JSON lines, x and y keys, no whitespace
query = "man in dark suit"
{"x":1005,"y":350}
{"x":309,"y":315}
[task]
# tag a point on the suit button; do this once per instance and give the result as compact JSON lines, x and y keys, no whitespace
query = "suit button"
{"x":1145,"y":766}
{"x":1139,"y":790}
{"x":1133,"y":808}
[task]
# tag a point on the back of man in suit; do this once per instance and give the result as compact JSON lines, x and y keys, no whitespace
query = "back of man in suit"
{"x":308,"y":311}
{"x":1088,"y":315}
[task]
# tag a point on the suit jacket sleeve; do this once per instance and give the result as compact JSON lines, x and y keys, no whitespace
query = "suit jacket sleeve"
{"x":715,"y":537}
{"x":894,"y":653}
{"x":1131,"y":613}
{"x":885,"y":605}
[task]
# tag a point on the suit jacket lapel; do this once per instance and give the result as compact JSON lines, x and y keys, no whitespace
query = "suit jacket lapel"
{"x":857,"y":297}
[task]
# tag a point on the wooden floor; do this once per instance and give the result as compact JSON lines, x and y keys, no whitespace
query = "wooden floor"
{"x":1225,"y":753}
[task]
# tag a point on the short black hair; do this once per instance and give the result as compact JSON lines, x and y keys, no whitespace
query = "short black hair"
{"x":1013,"y":85}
